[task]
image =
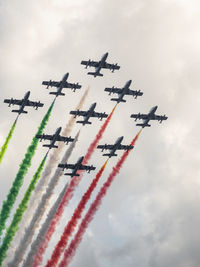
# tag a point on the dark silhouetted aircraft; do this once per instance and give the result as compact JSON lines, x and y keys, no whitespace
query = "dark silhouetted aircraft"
{"x":23,"y":103}
{"x":77,"y":166}
{"x":147,"y":117}
{"x":98,"y":65}
{"x":88,"y":114}
{"x":113,"y":148}
{"x":61,"y":84}
{"x":122,"y":92}
{"x":53,"y":138}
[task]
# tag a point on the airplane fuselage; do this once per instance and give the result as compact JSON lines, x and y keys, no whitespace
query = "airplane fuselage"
{"x":63,"y":81}
{"x":116,"y":146}
{"x":124,"y":90}
{"x":77,"y":166}
{"x":55,"y":137}
{"x":24,"y":101}
{"x":150,"y":115}
{"x":90,"y":112}
{"x":102,"y":62}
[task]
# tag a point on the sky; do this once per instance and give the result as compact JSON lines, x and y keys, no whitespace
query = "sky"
{"x":150,"y":216}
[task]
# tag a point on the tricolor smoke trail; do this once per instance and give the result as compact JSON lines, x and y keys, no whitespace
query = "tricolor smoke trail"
{"x":12,"y":229}
{"x":70,"y":251}
{"x":35,"y":200}
{"x":26,"y":163}
{"x":73,"y":222}
{"x":43,"y":205}
{"x":70,"y":190}
{"x":5,"y":145}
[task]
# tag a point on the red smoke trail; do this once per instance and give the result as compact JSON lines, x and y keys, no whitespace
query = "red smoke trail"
{"x":69,"y":193}
{"x":70,"y":252}
{"x":74,"y":220}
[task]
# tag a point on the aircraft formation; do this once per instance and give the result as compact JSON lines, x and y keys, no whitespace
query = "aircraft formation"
{"x":121,"y":92}
{"x":82,"y":163}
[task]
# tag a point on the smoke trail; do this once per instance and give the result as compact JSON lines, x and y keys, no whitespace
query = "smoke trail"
{"x":70,"y":190}
{"x":70,"y":251}
{"x":73,"y":222}
{"x":12,"y":229}
{"x":19,"y":254}
{"x":5,"y":145}
{"x":26,"y":163}
{"x":42,"y":184}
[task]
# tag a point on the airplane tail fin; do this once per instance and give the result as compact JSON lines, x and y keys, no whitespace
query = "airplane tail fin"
{"x":143,"y":125}
{"x":118,"y":100}
{"x":56,"y":93}
{"x":95,"y":74}
{"x":84,"y":122}
{"x":18,"y":111}
{"x":71,"y":174}
{"x":50,"y":146}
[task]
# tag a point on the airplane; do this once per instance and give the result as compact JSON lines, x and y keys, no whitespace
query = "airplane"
{"x":53,"y":138}
{"x":23,"y":103}
{"x":117,"y":146}
{"x":122,"y":92}
{"x":75,"y":167}
{"x":147,"y":117}
{"x":61,"y":84}
{"x":98,"y":65}
{"x":87,"y":114}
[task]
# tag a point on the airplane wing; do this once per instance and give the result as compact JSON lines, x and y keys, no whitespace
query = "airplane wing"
{"x":159,"y":117}
{"x":79,"y":113}
{"x":64,"y":139}
{"x":33,"y":104}
{"x":13,"y":101}
{"x":66,"y":166}
{"x":90,"y":63}
{"x":113,"y":90}
{"x":134,"y":92}
{"x":123,"y":147}
{"x":72,"y":85}
{"x":99,"y":115}
{"x":111,"y":66}
{"x":105,"y":146}
{"x":87,"y":168}
{"x":44,"y":136}
{"x":51,"y":83}
{"x":140,"y":116}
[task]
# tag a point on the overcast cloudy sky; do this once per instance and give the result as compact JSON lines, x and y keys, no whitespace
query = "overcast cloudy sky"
{"x":150,"y":216}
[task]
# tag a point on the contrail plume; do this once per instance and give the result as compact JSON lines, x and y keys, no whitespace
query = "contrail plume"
{"x":5,"y":145}
{"x":70,"y":251}
{"x":43,"y":182}
{"x":70,"y":189}
{"x":73,"y":222}
{"x":43,"y":205}
{"x":24,"y":166}
{"x":12,"y":229}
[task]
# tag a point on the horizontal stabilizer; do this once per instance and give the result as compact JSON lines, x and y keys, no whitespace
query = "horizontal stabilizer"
{"x":143,"y":125}
{"x":110,"y":155}
{"x":118,"y":100}
{"x":56,"y":93}
{"x":84,"y":122}
{"x":50,"y":146}
{"x":95,"y":74}
{"x":18,"y":111}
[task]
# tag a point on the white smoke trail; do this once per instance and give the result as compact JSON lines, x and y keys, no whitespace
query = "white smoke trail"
{"x":42,"y":184}
{"x":30,"y":230}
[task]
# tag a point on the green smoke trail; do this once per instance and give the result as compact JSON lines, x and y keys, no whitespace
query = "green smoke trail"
{"x":26,"y":163}
{"x":5,"y":145}
{"x":12,"y":229}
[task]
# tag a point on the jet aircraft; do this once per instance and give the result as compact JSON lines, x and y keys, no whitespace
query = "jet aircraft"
{"x":98,"y":65}
{"x":123,"y":91}
{"x":53,"y":138}
{"x":87,"y":114}
{"x":113,"y":148}
{"x":61,"y":84}
{"x":23,"y":103}
{"x":147,"y":117}
{"x":75,"y":167}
